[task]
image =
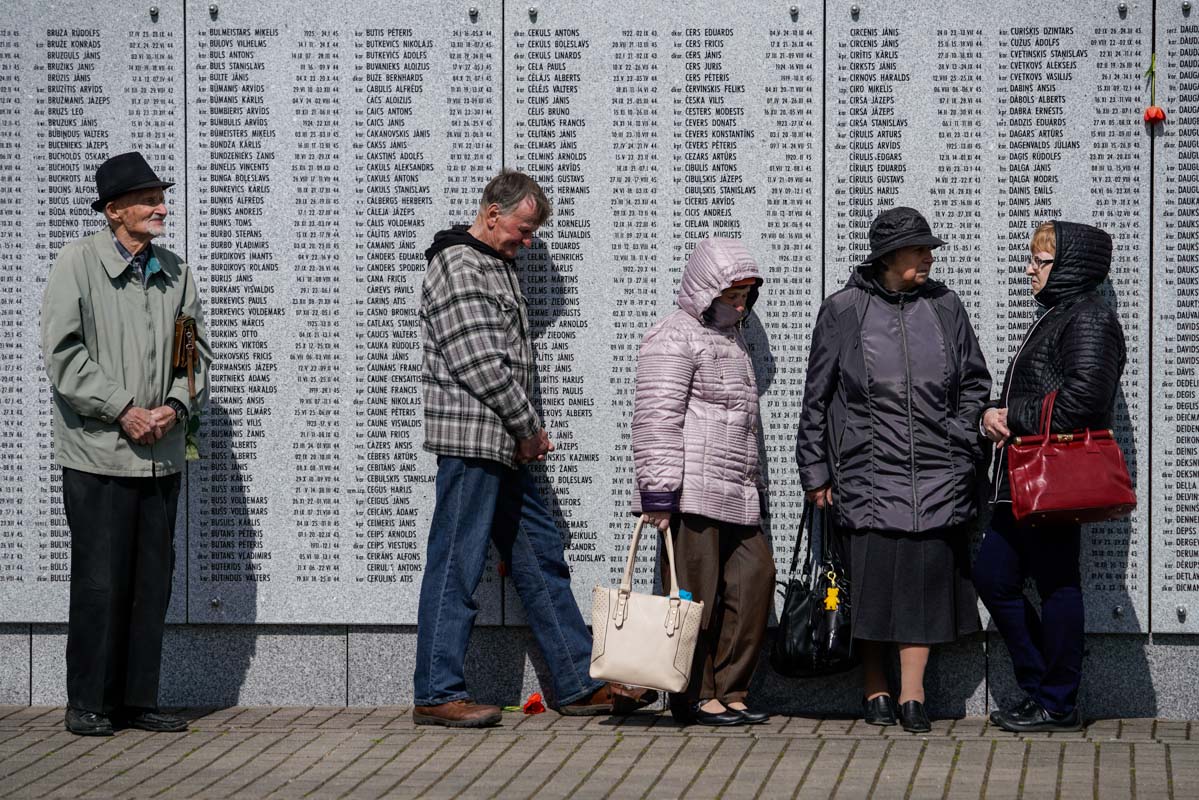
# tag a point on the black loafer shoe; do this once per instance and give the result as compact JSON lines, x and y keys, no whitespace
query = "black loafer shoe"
{"x":88,"y":723}
{"x":1031,"y":717}
{"x":751,"y":717}
{"x":154,"y":721}
{"x":718,"y":720}
{"x":879,"y":711}
{"x":912,"y":717}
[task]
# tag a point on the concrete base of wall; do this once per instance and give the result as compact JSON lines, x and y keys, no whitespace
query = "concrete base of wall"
{"x":223,"y":665}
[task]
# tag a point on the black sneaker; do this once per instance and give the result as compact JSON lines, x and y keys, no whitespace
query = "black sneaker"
{"x":1022,"y":708}
{"x":87,"y":723}
{"x":1031,"y":717}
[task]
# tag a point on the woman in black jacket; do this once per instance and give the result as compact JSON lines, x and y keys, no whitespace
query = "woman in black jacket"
{"x":1077,"y":348}
{"x":889,"y":439}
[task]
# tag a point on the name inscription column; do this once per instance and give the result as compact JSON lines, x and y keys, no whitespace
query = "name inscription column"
{"x":77,"y":84}
{"x":325,"y":159}
{"x":641,"y":167}
{"x":1050,"y":131}
{"x":1175,"y":500}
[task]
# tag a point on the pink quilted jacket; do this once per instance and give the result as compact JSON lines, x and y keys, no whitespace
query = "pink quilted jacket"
{"x":695,"y":416}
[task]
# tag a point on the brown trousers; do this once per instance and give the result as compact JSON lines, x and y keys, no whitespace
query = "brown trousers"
{"x":731,"y":569}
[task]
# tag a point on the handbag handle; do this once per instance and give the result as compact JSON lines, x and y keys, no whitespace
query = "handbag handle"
{"x":626,"y":583}
{"x":805,"y":523}
{"x":1047,"y":413}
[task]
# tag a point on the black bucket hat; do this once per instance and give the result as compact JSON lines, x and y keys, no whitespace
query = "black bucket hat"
{"x":125,"y":173}
{"x":899,"y":227}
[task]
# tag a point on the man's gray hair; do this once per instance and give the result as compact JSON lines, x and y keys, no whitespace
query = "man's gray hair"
{"x":510,"y":188}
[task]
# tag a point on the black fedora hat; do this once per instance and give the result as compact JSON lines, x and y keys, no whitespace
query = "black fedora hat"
{"x":127,"y":172}
{"x":899,"y":227}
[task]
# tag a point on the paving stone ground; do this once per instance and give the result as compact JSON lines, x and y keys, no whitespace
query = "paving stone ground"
{"x":377,"y":752}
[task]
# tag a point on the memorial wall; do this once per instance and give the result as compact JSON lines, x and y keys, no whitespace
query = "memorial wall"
{"x":316,"y":152}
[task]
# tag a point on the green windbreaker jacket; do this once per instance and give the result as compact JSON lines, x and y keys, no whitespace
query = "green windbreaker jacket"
{"x":107,"y":342}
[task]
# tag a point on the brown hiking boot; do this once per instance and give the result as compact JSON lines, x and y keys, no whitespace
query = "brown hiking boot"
{"x":457,"y":714}
{"x":600,"y":702}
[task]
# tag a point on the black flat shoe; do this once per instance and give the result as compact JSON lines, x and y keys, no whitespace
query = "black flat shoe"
{"x":720,"y":719}
{"x":153,"y":721}
{"x":751,"y":717}
{"x":1031,"y":717}
{"x":879,"y":711}
{"x":88,"y":723}
{"x":912,"y":717}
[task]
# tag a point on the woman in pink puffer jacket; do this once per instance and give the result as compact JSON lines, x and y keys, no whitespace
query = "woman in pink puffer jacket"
{"x":695,"y":446}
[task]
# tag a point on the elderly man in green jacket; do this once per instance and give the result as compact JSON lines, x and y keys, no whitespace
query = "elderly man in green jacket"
{"x":120,"y":416}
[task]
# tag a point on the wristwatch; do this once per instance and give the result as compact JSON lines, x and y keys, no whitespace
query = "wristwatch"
{"x":179,"y":409}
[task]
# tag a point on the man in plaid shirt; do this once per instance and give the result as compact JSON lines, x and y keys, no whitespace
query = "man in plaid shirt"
{"x":477,"y":374}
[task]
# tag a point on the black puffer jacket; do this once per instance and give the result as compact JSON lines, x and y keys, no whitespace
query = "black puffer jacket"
{"x":1075,"y":347}
{"x":895,"y":384}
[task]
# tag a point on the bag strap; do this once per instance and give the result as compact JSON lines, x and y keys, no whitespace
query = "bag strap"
{"x":626,"y":582}
{"x":805,"y":523}
{"x":1047,"y":412}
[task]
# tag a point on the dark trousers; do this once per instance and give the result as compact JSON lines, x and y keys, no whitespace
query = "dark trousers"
{"x":731,"y":569}
{"x":1046,"y":649}
{"x":122,"y":557}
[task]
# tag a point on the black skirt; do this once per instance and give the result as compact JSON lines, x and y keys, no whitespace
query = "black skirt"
{"x":913,"y":589}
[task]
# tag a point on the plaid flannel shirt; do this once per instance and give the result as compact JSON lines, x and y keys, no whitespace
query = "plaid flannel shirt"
{"x":477,"y":368}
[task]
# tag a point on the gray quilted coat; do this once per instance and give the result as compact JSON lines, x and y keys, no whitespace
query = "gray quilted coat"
{"x":695,"y":415}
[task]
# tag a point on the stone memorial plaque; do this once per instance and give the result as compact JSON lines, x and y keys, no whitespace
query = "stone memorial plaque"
{"x":652,"y":127}
{"x":79,"y":82}
{"x":991,"y":118}
{"x":325,"y":150}
{"x":1175,"y":500}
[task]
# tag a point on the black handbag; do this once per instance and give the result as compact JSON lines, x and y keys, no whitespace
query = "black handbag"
{"x":815,"y":634}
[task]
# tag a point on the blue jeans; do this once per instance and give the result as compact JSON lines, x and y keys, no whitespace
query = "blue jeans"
{"x":480,"y":501}
{"x":1046,"y":649}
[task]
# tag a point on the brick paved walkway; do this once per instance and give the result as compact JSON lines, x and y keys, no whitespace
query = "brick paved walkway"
{"x":376,"y":752}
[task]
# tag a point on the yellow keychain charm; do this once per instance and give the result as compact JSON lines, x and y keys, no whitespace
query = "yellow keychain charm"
{"x":831,"y":599}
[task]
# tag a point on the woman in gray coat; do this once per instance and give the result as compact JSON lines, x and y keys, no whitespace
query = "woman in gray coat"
{"x":889,"y":443}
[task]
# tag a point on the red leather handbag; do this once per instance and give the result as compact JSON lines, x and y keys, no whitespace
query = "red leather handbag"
{"x":1068,"y":477}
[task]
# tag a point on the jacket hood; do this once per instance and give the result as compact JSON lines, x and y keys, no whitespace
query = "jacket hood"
{"x":458,"y":235}
{"x":1082,"y":262}
{"x":715,"y":265}
{"x":863,"y":277}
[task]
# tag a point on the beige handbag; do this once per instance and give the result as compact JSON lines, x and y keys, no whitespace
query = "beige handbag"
{"x":644,"y":639}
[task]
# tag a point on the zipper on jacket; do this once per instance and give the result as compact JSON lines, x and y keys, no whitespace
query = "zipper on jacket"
{"x":907,"y":368}
{"x":1007,"y":392}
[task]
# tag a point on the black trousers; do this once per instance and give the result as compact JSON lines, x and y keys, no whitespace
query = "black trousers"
{"x":122,"y":557}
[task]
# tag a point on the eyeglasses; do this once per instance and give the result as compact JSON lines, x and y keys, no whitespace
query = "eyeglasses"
{"x":1041,"y":263}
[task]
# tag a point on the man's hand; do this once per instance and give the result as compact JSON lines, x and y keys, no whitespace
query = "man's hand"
{"x":140,"y":425}
{"x":822,"y":497}
{"x":660,"y":519}
{"x":164,"y":418}
{"x":995,"y":426}
{"x":534,"y":448}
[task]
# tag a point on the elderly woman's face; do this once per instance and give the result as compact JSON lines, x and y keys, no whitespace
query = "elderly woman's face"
{"x":908,"y":267}
{"x":735,"y":296}
{"x":1040,"y":263}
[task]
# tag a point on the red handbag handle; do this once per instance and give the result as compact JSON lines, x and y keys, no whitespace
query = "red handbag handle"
{"x":1047,"y":412}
